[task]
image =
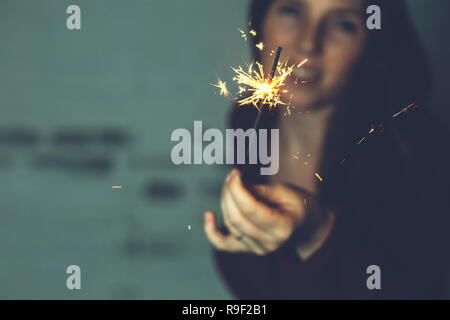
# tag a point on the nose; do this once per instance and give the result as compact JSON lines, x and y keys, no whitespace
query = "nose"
{"x":310,"y":40}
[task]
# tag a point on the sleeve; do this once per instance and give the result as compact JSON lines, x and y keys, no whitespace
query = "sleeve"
{"x":282,"y":275}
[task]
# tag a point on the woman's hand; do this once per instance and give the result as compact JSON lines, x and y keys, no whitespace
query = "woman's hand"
{"x":261,"y":220}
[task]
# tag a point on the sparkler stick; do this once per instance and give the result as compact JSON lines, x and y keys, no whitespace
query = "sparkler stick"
{"x":272,"y":74}
{"x":259,"y":108}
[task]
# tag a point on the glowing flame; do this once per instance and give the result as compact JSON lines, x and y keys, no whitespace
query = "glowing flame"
{"x":223,"y":88}
{"x":263,"y":90}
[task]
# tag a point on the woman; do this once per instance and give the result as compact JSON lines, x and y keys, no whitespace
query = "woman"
{"x":338,"y":207}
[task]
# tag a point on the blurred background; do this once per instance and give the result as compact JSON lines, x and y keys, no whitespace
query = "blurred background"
{"x":85,"y":110}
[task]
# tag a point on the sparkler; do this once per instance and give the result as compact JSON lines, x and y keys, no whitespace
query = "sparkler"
{"x":264,"y":91}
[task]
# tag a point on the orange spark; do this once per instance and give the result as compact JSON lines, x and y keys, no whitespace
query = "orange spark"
{"x":223,"y":88}
{"x":243,"y":34}
{"x":296,"y":156}
{"x":116,"y":187}
{"x":361,"y":141}
{"x":253,"y":33}
{"x":260,"y":46}
{"x":302,"y":63}
{"x":319,"y":177}
{"x":263,"y":89}
{"x":406,"y":109}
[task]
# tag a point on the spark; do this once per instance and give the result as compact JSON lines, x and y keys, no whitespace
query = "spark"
{"x":241,"y":90}
{"x":189,"y":227}
{"x":263,"y":90}
{"x":406,"y":109}
{"x":243,"y":34}
{"x":272,"y":52}
{"x":319,"y":177}
{"x":289,"y":109}
{"x":362,"y":140}
{"x":253,"y":33}
{"x":116,"y":187}
{"x":296,"y":156}
{"x":260,"y":46}
{"x":223,"y":88}
{"x":302,"y":63}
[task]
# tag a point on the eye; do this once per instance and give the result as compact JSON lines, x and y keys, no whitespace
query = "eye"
{"x":346,"y":26}
{"x":289,"y":10}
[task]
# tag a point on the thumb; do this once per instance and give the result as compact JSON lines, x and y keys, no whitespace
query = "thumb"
{"x":277,"y":194}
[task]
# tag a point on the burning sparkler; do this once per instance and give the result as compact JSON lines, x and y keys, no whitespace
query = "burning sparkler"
{"x":265,"y":87}
{"x":264,"y":91}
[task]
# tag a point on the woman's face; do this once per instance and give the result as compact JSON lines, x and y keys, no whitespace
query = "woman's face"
{"x":330,"y":33}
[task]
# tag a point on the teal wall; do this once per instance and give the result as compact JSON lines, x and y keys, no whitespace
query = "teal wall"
{"x":135,"y":72}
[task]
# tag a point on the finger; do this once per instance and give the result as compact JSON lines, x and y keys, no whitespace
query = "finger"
{"x":220,"y":241}
{"x":253,"y":236}
{"x":239,"y":222}
{"x":253,"y":209}
{"x":278,"y":195}
{"x":226,"y":216}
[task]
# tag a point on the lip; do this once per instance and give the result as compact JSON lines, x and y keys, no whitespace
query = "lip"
{"x":307,"y":75}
